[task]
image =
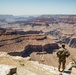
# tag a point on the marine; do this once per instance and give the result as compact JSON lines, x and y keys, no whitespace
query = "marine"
{"x":62,"y":54}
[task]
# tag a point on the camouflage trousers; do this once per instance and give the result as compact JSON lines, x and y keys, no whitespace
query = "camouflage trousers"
{"x":61,"y":64}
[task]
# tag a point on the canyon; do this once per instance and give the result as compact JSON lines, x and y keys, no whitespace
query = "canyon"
{"x":39,"y":39}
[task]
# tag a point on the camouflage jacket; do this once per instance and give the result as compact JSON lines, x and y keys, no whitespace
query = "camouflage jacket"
{"x":63,"y":53}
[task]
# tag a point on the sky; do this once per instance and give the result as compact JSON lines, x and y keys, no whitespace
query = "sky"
{"x":37,"y":7}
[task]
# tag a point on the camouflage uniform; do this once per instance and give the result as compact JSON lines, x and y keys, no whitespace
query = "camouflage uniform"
{"x":62,"y":54}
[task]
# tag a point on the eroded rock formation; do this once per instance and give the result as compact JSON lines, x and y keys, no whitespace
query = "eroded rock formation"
{"x":49,"y":48}
{"x":10,"y":32}
{"x":2,"y":30}
{"x":73,"y":43}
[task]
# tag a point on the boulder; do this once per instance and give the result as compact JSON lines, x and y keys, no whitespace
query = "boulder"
{"x":73,"y":72}
{"x":69,"y":66}
{"x":7,"y":70}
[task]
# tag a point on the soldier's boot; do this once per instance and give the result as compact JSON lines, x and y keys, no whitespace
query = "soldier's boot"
{"x":62,"y":70}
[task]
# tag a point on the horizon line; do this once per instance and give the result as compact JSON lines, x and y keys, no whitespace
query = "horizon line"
{"x":36,"y":14}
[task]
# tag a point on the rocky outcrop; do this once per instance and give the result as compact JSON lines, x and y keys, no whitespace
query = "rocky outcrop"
{"x":7,"y":70}
{"x":66,"y":39}
{"x":67,"y":19}
{"x":55,"y":33}
{"x":41,"y":37}
{"x":10,"y":32}
{"x":2,"y":30}
{"x":73,"y":72}
{"x":10,"y":36}
{"x":44,"y":20}
{"x":73,"y":43}
{"x":69,"y":40}
{"x":49,"y":48}
{"x":25,"y":67}
{"x":33,"y":32}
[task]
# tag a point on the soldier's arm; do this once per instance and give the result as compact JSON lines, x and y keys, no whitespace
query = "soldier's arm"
{"x":58,"y":52}
{"x":67,"y":53}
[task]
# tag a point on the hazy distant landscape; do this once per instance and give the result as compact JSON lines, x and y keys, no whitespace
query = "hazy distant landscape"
{"x":57,"y":29}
